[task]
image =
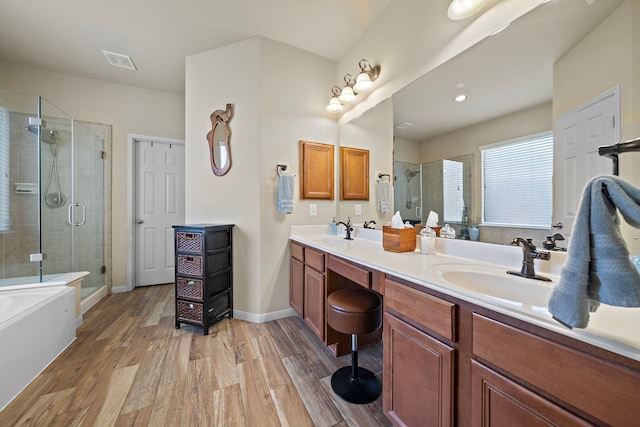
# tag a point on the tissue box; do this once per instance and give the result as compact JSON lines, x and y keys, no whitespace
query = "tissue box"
{"x":398,"y":239}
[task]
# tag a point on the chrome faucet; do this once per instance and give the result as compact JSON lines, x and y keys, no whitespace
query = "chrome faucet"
{"x":529,"y":253}
{"x":368,"y":223}
{"x":349,"y":228}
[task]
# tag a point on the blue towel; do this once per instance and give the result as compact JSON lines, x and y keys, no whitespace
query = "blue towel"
{"x":598,"y":269}
{"x":285,"y":193}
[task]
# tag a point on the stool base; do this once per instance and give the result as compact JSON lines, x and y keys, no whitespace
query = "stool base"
{"x":364,"y":389}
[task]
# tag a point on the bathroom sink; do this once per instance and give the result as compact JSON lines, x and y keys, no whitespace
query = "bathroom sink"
{"x":495,"y":283}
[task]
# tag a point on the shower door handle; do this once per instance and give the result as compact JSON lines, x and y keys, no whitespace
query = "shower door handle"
{"x":418,"y":213}
{"x":84,"y":214}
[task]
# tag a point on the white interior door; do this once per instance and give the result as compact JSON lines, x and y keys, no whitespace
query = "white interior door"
{"x":577,"y":137}
{"x":159,"y":206}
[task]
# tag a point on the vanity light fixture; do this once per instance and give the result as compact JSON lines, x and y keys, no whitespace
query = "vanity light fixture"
{"x":348,"y":96}
{"x":334,"y":104}
{"x":368,"y":75}
{"x":463,"y":9}
{"x":353,"y":86}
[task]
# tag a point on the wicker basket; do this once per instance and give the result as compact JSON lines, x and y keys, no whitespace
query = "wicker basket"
{"x":190,"y":311}
{"x":188,"y":242}
{"x":190,"y":265}
{"x":189,"y":288}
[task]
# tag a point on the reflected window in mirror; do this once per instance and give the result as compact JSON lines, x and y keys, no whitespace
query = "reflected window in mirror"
{"x":453,"y":190}
{"x":517,"y":182}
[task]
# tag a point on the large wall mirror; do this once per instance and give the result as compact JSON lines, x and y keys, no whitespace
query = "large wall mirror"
{"x":518,"y":83}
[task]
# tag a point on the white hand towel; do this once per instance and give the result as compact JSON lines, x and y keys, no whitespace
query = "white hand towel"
{"x":285,"y":193}
{"x":383,"y":196}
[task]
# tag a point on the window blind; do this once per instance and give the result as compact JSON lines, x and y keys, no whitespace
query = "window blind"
{"x":517,"y":182}
{"x":453,"y":190}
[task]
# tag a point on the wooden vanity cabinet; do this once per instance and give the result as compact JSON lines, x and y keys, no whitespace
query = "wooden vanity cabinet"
{"x":419,"y":357}
{"x":307,"y":286}
{"x":451,"y":362}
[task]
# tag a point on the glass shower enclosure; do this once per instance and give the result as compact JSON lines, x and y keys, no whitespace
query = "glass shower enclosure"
{"x":51,"y":194}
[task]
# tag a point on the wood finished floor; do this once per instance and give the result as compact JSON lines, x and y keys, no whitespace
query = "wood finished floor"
{"x":129,"y":366}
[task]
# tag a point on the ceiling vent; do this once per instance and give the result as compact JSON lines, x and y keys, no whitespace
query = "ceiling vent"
{"x":119,"y":60}
{"x":403,"y":125}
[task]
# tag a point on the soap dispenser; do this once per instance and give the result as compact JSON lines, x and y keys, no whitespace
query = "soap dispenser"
{"x":333,"y":227}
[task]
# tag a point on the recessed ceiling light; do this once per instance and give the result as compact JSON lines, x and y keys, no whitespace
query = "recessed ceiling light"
{"x":119,"y":60}
{"x":460,"y":98}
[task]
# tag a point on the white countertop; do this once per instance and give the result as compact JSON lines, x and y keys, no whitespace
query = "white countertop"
{"x":616,"y":329}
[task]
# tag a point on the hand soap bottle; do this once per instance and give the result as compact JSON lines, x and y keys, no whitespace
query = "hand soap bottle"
{"x":333,"y":227}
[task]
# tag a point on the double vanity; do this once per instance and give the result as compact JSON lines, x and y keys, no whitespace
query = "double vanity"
{"x":465,"y":343}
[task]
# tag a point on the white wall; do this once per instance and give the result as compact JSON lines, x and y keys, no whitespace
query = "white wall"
{"x":611,"y":54}
{"x":128,"y":109}
{"x":407,"y":42}
{"x":277,"y":101}
{"x":374,"y":132}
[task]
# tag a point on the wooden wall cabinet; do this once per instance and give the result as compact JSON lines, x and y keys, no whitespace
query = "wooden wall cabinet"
{"x":317,"y":163}
{"x":354,"y":174}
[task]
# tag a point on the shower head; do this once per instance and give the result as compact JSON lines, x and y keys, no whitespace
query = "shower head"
{"x":48,"y":136}
{"x":411,"y":174}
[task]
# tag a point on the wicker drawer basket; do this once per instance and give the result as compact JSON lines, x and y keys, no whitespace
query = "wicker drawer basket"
{"x":191,"y":265}
{"x":190,"y":312}
{"x":188,"y":242}
{"x":190,"y":288}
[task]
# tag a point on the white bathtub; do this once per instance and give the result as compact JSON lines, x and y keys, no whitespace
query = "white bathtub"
{"x":36,"y":325}
{"x":47,"y":280}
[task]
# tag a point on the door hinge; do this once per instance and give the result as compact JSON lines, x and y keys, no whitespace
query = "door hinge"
{"x":103,"y":269}
{"x":103,"y":155}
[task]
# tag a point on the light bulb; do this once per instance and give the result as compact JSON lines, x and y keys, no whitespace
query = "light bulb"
{"x":363,"y":83}
{"x":334,"y":105}
{"x":462,"y":9}
{"x":347,"y":96}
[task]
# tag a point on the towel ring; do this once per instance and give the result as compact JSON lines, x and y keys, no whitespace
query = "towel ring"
{"x":381,"y":175}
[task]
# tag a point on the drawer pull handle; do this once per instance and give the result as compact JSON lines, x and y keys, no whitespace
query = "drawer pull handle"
{"x":190,"y":305}
{"x":191,"y":282}
{"x":189,"y":236}
{"x":189,"y":258}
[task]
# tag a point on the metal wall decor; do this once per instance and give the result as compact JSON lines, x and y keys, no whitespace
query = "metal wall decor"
{"x":219,"y":138}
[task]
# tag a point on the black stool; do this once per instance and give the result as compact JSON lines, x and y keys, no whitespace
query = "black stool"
{"x":355,"y":311}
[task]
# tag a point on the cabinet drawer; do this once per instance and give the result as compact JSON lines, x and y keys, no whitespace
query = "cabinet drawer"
{"x":189,"y":241}
{"x":191,"y":265}
{"x":189,"y":288}
{"x":314,"y":259}
{"x":426,"y":310}
{"x":605,"y":391}
{"x":190,"y":311}
{"x":352,"y":272}
{"x":297,"y":251}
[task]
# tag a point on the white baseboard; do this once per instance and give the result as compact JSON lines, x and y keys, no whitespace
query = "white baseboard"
{"x":79,"y":321}
{"x":119,"y":289}
{"x":264,"y":317}
{"x":92,"y":299}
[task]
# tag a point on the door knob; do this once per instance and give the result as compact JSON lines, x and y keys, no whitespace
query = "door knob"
{"x":139,"y":221}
